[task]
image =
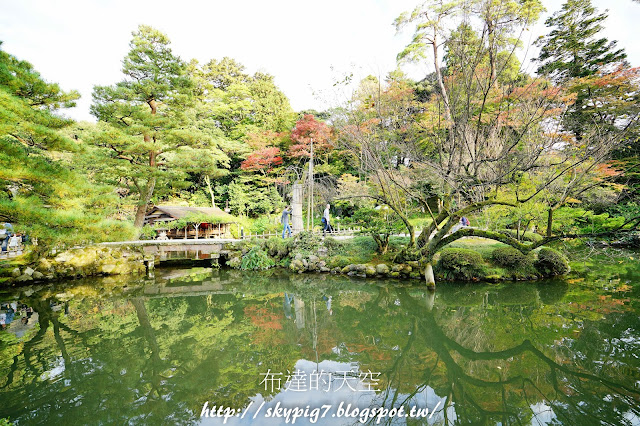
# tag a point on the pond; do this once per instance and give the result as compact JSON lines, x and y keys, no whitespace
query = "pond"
{"x":193,"y":344}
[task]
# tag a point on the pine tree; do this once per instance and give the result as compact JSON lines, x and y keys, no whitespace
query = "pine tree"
{"x":152,"y":127}
{"x":572,"y":55}
{"x":572,"y":49}
{"x":42,"y":194}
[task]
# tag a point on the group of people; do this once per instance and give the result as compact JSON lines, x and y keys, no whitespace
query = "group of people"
{"x":10,"y":241}
{"x":8,"y":311}
{"x":285,"y":220}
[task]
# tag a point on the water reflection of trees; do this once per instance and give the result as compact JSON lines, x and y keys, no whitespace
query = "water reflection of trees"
{"x":158,"y":358}
{"x":503,"y":385}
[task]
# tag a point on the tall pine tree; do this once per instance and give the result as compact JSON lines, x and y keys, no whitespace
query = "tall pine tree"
{"x":573,"y":49}
{"x":572,"y":54}
{"x":41,"y":191}
{"x":152,"y":128}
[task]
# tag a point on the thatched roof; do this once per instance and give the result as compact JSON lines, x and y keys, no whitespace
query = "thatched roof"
{"x":179,"y":212}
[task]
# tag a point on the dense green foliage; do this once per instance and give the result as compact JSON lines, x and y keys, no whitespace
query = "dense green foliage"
{"x":151,"y":126}
{"x":43,"y":194}
{"x":523,"y":236}
{"x":508,"y":257}
{"x":574,"y":47}
{"x":380,"y":224}
{"x":256,"y":259}
{"x":459,"y":264}
{"x":551,"y":262}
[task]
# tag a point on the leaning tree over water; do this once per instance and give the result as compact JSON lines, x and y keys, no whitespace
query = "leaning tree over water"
{"x":483,"y":133}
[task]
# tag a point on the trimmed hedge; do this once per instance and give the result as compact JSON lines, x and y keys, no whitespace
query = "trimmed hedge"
{"x":551,"y":263}
{"x":509,"y":257}
{"x":459,"y":264}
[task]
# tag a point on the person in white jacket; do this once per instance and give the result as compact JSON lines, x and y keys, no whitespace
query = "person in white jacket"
{"x":14,"y":242}
{"x":325,"y":219}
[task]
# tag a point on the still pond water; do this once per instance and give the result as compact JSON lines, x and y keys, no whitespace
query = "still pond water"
{"x":154,"y":351}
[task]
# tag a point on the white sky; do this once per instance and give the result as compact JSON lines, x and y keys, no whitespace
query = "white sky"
{"x":307,"y":46}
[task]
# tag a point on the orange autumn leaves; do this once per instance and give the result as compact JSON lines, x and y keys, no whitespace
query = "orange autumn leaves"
{"x":268,"y":146}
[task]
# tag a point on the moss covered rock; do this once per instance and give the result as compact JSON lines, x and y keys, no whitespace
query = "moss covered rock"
{"x":296,"y":265}
{"x":370,"y":270}
{"x":382,"y":269}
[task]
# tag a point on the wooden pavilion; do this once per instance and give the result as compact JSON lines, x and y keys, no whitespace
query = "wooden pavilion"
{"x":201,"y":222}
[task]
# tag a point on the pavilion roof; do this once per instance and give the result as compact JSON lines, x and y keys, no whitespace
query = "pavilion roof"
{"x":179,"y":212}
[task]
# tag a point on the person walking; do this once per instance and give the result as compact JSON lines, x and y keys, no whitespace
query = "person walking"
{"x":6,"y":232}
{"x":14,"y":242}
{"x":325,"y":219}
{"x":284,"y":219}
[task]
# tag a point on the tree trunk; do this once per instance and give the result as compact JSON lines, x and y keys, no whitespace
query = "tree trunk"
{"x":151,"y":183}
{"x":492,"y":50}
{"x":549,"y":222}
{"x":383,"y":243}
{"x":429,"y":277}
{"x":443,"y":89}
{"x":407,"y":224}
{"x":143,"y":202}
{"x":207,"y":180}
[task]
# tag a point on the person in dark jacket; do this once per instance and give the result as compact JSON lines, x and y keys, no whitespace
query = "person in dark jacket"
{"x":284,"y":219}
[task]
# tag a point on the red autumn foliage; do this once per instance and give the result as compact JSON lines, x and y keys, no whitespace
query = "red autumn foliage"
{"x":306,"y":130}
{"x":263,"y":160}
{"x":263,"y":318}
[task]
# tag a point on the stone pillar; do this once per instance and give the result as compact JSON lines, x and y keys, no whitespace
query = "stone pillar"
{"x":149,"y":264}
{"x":215,"y":260}
{"x":300,"y":314}
{"x":296,"y":206}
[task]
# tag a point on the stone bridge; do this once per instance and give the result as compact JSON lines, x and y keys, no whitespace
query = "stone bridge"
{"x":156,"y":251}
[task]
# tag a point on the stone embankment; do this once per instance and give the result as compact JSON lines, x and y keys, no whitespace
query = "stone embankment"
{"x":79,"y":262}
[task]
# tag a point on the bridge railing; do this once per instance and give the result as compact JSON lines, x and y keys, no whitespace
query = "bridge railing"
{"x":335,"y":233}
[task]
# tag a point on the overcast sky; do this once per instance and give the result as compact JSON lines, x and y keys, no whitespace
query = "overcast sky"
{"x":307,"y":46}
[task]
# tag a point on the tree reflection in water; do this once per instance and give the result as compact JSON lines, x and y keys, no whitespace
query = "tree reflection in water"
{"x":513,"y":354}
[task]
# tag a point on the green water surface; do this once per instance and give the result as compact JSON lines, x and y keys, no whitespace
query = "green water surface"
{"x":154,"y":351}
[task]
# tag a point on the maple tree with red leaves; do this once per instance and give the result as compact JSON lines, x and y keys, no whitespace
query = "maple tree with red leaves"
{"x":262,"y":160}
{"x":306,"y":130}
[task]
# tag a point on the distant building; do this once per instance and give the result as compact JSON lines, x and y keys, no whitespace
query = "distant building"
{"x":190,"y":222}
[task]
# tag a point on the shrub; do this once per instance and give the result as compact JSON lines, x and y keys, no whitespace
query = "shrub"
{"x":265,"y":224}
{"x":256,"y":259}
{"x":333,"y":246}
{"x":339,"y":261}
{"x":277,"y":247}
{"x":306,"y":241}
{"x":551,"y":263}
{"x":148,"y":232}
{"x":459,"y":264}
{"x":509,"y":257}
